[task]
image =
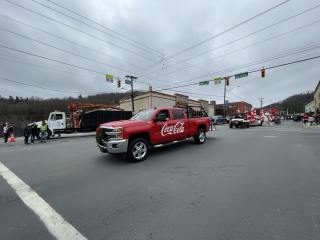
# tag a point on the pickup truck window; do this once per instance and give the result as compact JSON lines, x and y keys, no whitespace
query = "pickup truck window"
{"x":143,"y":115}
{"x":59,"y":116}
{"x":166,"y":112}
{"x":178,"y":114}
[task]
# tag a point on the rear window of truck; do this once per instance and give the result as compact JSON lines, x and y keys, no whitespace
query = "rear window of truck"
{"x":177,"y":114}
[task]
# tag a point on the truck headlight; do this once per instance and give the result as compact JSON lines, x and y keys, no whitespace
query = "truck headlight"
{"x":118,"y":132}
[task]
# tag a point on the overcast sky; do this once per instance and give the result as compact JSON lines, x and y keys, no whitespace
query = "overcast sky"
{"x":139,"y":37}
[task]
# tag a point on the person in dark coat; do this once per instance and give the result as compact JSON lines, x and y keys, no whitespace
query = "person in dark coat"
{"x":27,"y":133}
{"x":34,"y":131}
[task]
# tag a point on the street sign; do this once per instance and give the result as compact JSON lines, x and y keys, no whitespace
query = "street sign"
{"x":241,"y":75}
{"x":217,"y":80}
{"x":109,"y":78}
{"x":204,"y":83}
{"x":127,"y":81}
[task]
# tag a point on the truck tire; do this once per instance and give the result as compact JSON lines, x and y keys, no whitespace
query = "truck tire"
{"x":200,"y":137}
{"x":230,"y":126}
{"x":138,"y":150}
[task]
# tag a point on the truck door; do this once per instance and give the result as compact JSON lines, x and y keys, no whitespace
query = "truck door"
{"x":60,"y":121}
{"x":160,"y":130}
{"x":57,"y":121}
{"x":181,"y":124}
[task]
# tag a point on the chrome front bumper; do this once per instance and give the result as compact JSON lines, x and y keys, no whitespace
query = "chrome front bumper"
{"x":114,"y":146}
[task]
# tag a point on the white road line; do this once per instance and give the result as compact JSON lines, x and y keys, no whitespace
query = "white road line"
{"x":54,"y":222}
{"x":270,"y":136}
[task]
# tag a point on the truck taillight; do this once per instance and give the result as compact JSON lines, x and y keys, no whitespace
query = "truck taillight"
{"x":98,"y":131}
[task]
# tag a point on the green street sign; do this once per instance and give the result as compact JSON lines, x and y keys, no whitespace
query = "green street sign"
{"x":204,"y":83}
{"x":241,"y":75}
{"x":128,"y":82}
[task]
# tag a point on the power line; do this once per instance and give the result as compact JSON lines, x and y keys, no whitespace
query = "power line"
{"x":65,"y":39}
{"x":88,"y":25}
{"x":228,"y":30}
{"x":253,"y":71}
{"x":54,"y":60}
{"x":145,"y":75}
{"x":245,"y":36}
{"x":159,"y":53}
{"x":107,"y":28}
{"x":193,"y":93}
{"x":46,"y":88}
{"x":257,"y":31}
{"x":255,"y":44}
{"x":51,"y":59}
{"x":7,"y":58}
{"x":61,"y":49}
{"x":79,"y":30}
{"x":282,"y":55}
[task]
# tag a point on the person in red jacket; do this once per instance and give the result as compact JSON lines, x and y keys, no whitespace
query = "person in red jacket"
{"x":305,"y":119}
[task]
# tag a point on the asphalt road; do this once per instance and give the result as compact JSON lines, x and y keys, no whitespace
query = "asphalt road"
{"x":257,"y":183}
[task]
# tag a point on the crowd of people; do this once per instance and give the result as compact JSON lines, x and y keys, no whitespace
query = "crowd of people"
{"x":31,"y":131}
{"x":310,"y":119}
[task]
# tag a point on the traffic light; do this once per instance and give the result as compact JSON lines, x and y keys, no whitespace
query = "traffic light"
{"x":263,"y":72}
{"x":119,"y":83}
{"x":227,"y":80}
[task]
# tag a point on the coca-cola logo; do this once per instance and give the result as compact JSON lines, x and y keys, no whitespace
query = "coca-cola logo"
{"x":172,"y":129}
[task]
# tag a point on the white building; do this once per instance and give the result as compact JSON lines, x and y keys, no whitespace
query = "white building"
{"x":310,"y":107}
{"x":154,"y":99}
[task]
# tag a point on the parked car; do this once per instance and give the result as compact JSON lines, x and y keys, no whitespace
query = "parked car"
{"x":219,"y":119}
{"x":148,"y":128}
{"x":239,"y":122}
{"x":297,"y":117}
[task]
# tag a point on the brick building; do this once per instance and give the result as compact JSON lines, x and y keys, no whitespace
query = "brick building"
{"x":233,"y":108}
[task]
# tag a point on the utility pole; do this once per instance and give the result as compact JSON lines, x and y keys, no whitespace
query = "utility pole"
{"x":261,"y":102}
{"x":131,"y":83}
{"x":224,"y":98}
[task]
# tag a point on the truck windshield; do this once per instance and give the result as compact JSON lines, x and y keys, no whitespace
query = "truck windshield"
{"x":143,"y":115}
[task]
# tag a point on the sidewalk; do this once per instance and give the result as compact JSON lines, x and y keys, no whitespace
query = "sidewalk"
{"x":63,"y":136}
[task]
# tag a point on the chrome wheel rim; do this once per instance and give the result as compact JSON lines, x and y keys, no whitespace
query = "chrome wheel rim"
{"x":139,"y":150}
{"x":202,"y":136}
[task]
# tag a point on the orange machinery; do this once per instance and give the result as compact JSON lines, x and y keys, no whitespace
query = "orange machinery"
{"x":76,"y":109}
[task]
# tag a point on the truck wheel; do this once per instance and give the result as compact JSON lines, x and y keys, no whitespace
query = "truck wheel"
{"x":200,"y":137}
{"x":138,"y":149}
{"x":230,"y":126}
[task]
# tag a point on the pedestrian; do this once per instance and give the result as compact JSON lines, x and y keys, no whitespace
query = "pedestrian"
{"x":34,"y":131}
{"x":27,"y":133}
{"x":213,"y":126}
{"x":44,"y":131}
{"x":305,"y":120}
{"x":310,"y":121}
{"x":6,"y":132}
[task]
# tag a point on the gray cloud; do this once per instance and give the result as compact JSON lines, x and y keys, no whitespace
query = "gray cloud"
{"x":167,"y":26}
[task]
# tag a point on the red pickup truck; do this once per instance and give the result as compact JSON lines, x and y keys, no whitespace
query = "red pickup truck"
{"x":148,"y":128}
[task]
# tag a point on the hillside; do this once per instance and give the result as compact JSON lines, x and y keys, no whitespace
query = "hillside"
{"x":295,"y":103}
{"x":18,"y":111}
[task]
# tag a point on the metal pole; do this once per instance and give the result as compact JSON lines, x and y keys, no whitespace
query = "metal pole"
{"x":224,"y":99}
{"x":261,"y":102}
{"x":131,"y":83}
{"x":132,"y":97}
